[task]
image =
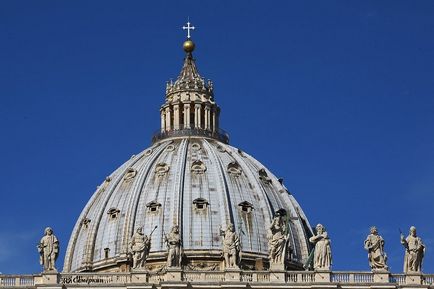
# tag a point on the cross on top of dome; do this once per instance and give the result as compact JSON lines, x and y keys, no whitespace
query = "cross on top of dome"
{"x":188,"y":28}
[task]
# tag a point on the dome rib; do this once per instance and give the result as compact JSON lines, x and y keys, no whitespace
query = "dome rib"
{"x":133,"y":217}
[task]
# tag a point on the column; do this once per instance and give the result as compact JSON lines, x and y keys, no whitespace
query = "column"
{"x":163,"y":120}
{"x":197,"y":115}
{"x":217,"y":116}
{"x":187,"y":115}
{"x":168,"y":124}
{"x":207,"y":125}
{"x":214,"y":127}
{"x":176,"y":116}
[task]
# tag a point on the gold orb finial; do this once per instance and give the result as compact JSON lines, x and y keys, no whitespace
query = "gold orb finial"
{"x":188,"y":46}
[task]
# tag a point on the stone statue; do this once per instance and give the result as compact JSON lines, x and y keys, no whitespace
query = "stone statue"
{"x":140,"y":245}
{"x":277,"y":239}
{"x":414,"y":251}
{"x":322,"y":258}
{"x":231,"y":246}
{"x":374,"y":243}
{"x":48,"y":249}
{"x":173,"y":242}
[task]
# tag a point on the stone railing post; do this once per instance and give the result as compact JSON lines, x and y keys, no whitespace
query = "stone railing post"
{"x":49,"y":278}
{"x":413,"y":278}
{"x":173,"y":274}
{"x":232,"y":274}
{"x":322,"y":276}
{"x":381,"y":276}
{"x":277,"y":273}
{"x":139,"y":277}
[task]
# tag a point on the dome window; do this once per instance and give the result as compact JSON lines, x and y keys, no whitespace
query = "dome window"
{"x":170,"y":148}
{"x":195,"y":146}
{"x":148,"y":152}
{"x":221,"y":149}
{"x":241,"y":153}
{"x":234,"y":169}
{"x":198,"y":167}
{"x":153,"y":206}
{"x":161,"y":169}
{"x":200,"y":204}
{"x":106,"y":252}
{"x":245,"y":207}
{"x":130,"y":174}
{"x":113,"y":213}
{"x":263,"y":176}
{"x":104,"y":184}
{"x":85,"y":223}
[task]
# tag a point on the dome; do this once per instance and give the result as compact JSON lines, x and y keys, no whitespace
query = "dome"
{"x":192,"y":178}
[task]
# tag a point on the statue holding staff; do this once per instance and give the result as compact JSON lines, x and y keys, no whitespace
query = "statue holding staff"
{"x":414,"y":251}
{"x":322,"y":259}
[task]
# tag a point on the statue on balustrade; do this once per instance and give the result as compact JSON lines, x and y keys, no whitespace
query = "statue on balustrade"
{"x":140,"y":245}
{"x":277,"y":238}
{"x":414,"y":251}
{"x":48,"y":249}
{"x":322,"y":258}
{"x":231,"y":246}
{"x":374,"y":243}
{"x":173,"y":242}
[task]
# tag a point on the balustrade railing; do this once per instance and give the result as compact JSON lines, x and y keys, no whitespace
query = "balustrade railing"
{"x":218,"y":134}
{"x":299,"y":277}
{"x":397,"y":278}
{"x":17,"y":281}
{"x":428,"y":279}
{"x":352,"y":277}
{"x":197,"y":276}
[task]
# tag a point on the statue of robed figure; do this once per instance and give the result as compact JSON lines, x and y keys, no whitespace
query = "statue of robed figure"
{"x":48,"y":249}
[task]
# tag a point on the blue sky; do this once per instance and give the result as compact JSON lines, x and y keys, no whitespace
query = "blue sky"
{"x":336,"y":97}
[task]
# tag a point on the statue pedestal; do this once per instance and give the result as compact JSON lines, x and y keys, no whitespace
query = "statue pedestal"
{"x":381,"y":276}
{"x":50,"y":277}
{"x":233,"y":274}
{"x":277,"y":273}
{"x":173,"y":274}
{"x":413,"y":278}
{"x":322,"y":276}
{"x":277,"y":267}
{"x":139,"y":277}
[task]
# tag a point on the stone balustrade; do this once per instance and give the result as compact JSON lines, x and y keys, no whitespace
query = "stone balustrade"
{"x":245,"y":279}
